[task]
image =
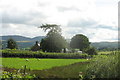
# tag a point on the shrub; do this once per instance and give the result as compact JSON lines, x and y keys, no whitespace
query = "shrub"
{"x":104,"y":66}
{"x":91,"y":51}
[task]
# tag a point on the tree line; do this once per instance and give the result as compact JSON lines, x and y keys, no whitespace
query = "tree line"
{"x":55,"y":42}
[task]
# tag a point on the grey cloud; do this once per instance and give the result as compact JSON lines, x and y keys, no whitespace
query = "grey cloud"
{"x":21,"y":18}
{"x":73,"y":32}
{"x":82,"y":23}
{"x":107,"y":27}
{"x":89,"y":24}
{"x":5,"y":26}
{"x":17,"y":19}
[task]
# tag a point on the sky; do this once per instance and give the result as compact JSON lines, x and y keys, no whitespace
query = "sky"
{"x":96,"y":19}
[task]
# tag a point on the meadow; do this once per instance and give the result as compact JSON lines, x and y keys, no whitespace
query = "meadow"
{"x":38,"y":64}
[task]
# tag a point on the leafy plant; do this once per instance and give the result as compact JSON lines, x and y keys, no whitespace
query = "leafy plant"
{"x":17,"y":74}
{"x":104,"y":66}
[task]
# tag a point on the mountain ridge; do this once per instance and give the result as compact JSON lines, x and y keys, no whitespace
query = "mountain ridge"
{"x":25,"y":42}
{"x":21,"y":38}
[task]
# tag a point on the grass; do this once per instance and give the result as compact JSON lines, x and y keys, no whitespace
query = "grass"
{"x":104,"y":66}
{"x":100,"y":66}
{"x":69,"y":71}
{"x":38,"y":64}
{"x":105,"y":52}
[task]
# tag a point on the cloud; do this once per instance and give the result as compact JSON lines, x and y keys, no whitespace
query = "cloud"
{"x":62,"y":9}
{"x":104,"y":35}
{"x":94,"y":34}
{"x":82,"y":23}
{"x":108,"y":27}
{"x":95,"y":18}
{"x":17,"y":17}
{"x":31,"y":31}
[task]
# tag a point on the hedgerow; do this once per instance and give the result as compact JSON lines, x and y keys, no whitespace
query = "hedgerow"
{"x":104,"y":66}
{"x":40,"y":54}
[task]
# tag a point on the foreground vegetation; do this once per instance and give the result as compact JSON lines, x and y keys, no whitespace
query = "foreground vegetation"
{"x":104,"y":66}
{"x":15,"y":75}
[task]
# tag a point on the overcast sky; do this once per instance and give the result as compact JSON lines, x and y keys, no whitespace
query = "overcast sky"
{"x":97,"y":19}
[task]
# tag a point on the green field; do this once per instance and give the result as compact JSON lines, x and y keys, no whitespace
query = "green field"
{"x":38,"y":64}
{"x":69,"y":71}
{"x":104,"y":65}
{"x":105,"y":52}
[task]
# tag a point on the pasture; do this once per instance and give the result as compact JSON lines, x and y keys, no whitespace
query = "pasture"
{"x":38,"y":64}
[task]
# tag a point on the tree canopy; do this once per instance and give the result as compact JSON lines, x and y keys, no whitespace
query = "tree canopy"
{"x":53,"y":42}
{"x":51,"y":27}
{"x":36,"y":47}
{"x":80,"y":42}
{"x":11,"y":44}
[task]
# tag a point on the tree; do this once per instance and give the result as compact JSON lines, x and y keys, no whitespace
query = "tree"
{"x":80,"y":42}
{"x":11,"y":44}
{"x":36,"y":47}
{"x":53,"y":42}
{"x":51,"y":27}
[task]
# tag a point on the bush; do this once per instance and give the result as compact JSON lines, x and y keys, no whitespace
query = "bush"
{"x":104,"y":66}
{"x":91,"y":51}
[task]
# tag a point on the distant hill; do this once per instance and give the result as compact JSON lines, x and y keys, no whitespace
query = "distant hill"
{"x":26,"y":42}
{"x":22,"y":38}
{"x":105,"y":45}
{"x":23,"y":42}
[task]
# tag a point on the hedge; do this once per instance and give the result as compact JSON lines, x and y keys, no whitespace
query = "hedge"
{"x":40,"y":54}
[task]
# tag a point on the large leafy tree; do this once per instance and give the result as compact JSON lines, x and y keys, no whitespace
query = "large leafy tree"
{"x":80,"y":42}
{"x":53,"y":42}
{"x":11,"y":44}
